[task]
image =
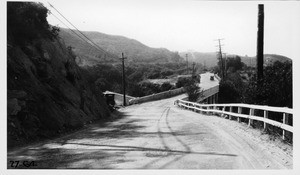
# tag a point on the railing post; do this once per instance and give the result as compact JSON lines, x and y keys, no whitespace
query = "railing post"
{"x":284,"y":122}
{"x":230,"y":110}
{"x":251,"y":112}
{"x":239,"y":111}
{"x":265,"y":116}
{"x":208,"y":108}
{"x":214,"y":108}
{"x":223,"y":111}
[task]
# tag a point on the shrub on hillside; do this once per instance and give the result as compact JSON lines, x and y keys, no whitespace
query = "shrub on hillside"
{"x":27,"y":21}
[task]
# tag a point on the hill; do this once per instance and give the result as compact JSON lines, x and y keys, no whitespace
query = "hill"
{"x":47,"y":92}
{"x":209,"y":59}
{"x":134,"y":50}
{"x":268,"y":59}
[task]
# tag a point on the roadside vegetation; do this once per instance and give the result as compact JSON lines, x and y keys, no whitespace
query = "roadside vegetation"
{"x":240,"y":86}
{"x":137,"y":75}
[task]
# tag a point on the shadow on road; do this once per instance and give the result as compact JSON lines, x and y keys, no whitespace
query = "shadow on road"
{"x":91,"y":148}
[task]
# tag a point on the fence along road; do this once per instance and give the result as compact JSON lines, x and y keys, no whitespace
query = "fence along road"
{"x":159,"y":135}
{"x":215,"y":109}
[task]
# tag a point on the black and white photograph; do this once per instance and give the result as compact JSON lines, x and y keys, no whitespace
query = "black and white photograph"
{"x":95,"y":86}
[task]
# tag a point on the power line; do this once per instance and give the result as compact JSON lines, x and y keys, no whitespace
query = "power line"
{"x":70,"y":29}
{"x":95,"y":45}
{"x":80,"y":37}
{"x":74,"y":26}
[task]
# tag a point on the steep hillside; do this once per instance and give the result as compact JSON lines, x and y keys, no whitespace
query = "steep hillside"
{"x":47,"y":93}
{"x":86,"y":54}
{"x":134,"y":50}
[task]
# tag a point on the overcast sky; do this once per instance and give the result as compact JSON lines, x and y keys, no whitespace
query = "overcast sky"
{"x":189,"y":24}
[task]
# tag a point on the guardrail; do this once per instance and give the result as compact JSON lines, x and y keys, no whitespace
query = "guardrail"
{"x":157,"y":96}
{"x":221,"y":109}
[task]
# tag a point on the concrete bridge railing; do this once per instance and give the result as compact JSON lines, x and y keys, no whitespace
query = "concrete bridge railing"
{"x":227,"y":109}
{"x":209,"y":92}
{"x":157,"y":96}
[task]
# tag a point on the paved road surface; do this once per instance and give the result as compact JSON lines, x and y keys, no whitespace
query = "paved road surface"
{"x":158,"y":135}
{"x":206,"y":83}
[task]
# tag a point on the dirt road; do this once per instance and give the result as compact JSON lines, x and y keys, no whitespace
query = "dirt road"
{"x":159,"y":135}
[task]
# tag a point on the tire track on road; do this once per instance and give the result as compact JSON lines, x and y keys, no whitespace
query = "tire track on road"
{"x":187,"y":149}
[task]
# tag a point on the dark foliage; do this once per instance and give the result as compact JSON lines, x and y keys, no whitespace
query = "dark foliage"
{"x":192,"y":89}
{"x":276,"y":89}
{"x":109,"y":77}
{"x":233,"y":64}
{"x":183,"y":81}
{"x":166,"y":86}
{"x":27,"y":21}
{"x":228,"y":93}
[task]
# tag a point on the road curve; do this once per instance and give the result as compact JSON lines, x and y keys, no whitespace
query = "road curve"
{"x":157,"y":135}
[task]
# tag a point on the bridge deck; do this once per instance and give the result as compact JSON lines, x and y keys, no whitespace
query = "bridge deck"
{"x":205,"y":81}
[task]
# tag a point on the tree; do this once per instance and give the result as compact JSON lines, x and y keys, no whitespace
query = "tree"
{"x":277,"y":87}
{"x":228,"y":92}
{"x":31,"y":17}
{"x":193,"y":90}
{"x":234,"y":63}
{"x":183,"y":81}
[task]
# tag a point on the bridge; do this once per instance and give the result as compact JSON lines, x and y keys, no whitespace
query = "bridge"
{"x":162,"y":135}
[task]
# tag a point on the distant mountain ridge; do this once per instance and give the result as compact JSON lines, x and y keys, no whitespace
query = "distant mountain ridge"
{"x":210,"y":59}
{"x":135,"y":51}
{"x":114,"y":45}
{"x":268,"y":59}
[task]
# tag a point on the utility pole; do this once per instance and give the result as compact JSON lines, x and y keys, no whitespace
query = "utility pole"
{"x":225,"y":64}
{"x":193,"y":74}
{"x":187,"y":63}
{"x":220,"y":57}
{"x":260,"y":44}
{"x":123,"y":78}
